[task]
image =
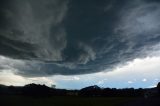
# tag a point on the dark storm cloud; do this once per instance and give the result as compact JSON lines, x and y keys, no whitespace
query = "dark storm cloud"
{"x":34,"y":24}
{"x":49,"y":37}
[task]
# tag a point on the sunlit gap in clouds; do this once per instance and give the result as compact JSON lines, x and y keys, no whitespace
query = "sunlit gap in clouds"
{"x":138,"y":73}
{"x":7,"y":77}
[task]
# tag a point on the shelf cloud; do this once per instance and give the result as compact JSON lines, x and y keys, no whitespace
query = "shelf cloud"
{"x":67,"y":37}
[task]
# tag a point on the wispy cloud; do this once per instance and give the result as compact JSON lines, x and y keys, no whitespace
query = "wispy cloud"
{"x":42,"y":38}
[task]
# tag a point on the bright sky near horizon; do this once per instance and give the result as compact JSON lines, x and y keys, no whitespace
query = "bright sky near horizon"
{"x":139,"y":73}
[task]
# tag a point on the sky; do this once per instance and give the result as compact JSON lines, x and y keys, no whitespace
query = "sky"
{"x":77,"y":43}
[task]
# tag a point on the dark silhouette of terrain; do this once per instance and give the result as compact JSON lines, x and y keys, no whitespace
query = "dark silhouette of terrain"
{"x":10,"y":95}
{"x":43,"y":90}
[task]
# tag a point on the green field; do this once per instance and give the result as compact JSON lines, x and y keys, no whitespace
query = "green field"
{"x":63,"y":101}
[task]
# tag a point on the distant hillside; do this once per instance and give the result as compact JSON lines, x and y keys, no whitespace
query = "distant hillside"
{"x":43,"y":90}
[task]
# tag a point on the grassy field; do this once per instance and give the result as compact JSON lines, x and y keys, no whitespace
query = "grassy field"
{"x":62,"y":101}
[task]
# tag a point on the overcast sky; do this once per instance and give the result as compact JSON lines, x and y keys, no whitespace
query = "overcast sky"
{"x":77,"y":43}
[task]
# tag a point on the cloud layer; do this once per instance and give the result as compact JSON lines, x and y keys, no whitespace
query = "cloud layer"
{"x":41,"y":38}
{"x":33,"y":29}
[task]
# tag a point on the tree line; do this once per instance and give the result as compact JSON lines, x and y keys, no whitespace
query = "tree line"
{"x":93,"y":91}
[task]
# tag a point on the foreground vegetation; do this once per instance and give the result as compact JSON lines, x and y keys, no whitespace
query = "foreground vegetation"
{"x":63,"y":101}
{"x":41,"y":95}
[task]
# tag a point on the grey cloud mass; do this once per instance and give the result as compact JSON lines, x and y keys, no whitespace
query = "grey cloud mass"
{"x":37,"y":25}
{"x":49,"y":37}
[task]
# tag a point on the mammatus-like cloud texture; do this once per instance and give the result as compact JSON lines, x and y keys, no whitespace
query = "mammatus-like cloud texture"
{"x":48,"y":37}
